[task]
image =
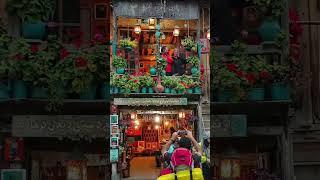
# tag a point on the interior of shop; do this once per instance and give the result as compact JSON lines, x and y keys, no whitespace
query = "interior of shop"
{"x":145,"y":133}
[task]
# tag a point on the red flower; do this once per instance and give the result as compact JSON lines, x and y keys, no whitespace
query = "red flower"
{"x":19,"y":57}
{"x":232,"y":67}
{"x":34,"y":48}
{"x":81,"y":62}
{"x":251,"y":78}
{"x":64,"y":53}
{"x":264,"y":75}
{"x":239,"y":74}
{"x":136,"y":81}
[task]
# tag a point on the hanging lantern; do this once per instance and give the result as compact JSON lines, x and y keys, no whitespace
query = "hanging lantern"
{"x":157,"y":119}
{"x":152,"y":22}
{"x":137,"y":29}
{"x":176,"y":31}
{"x":208,"y":34}
{"x":182,"y":115}
{"x":156,"y":127}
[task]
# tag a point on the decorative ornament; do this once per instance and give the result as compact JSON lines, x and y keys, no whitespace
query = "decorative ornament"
{"x":137,"y":29}
{"x":158,"y":34}
{"x":114,"y":109}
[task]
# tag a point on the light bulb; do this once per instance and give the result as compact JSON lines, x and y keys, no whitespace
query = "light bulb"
{"x":157,"y":119}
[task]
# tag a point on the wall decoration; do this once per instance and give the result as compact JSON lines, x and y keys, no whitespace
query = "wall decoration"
{"x":114,"y":141}
{"x":14,"y":149}
{"x":114,"y":155}
{"x":114,"y":119}
{"x":100,"y":11}
{"x":114,"y":129}
{"x":141,"y":65}
{"x":13,"y":174}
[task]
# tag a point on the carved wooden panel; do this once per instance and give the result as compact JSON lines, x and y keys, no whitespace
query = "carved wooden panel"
{"x":187,"y":9}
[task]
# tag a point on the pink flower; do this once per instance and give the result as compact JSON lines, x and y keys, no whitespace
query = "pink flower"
{"x":64,"y":53}
{"x":34,"y":48}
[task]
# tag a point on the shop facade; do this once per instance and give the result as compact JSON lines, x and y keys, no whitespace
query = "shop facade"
{"x":146,"y":118}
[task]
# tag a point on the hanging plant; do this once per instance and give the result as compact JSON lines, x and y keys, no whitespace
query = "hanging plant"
{"x":127,"y":44}
{"x":189,"y":44}
{"x":119,"y":62}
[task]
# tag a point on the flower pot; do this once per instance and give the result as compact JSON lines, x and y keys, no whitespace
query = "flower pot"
{"x":120,"y":70}
{"x":150,"y":90}
{"x":256,"y":94}
{"x":194,"y":70}
{"x":173,"y":91}
{"x":280,"y":91}
{"x":167,"y":90}
{"x":115,"y":90}
{"x":39,"y":93}
{"x":35,"y":30}
{"x":144,"y":90}
{"x":269,"y":30}
{"x":225,"y":95}
{"x":197,"y":90}
{"x":19,"y":89}
{"x":190,"y":91}
{"x":89,"y":93}
{"x":122,"y":91}
{"x":4,"y":91}
{"x":153,"y":71}
{"x":181,"y":92}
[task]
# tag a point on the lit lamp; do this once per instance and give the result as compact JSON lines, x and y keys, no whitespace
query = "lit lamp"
{"x":166,"y":123}
{"x":156,"y":127}
{"x":181,"y":115}
{"x":137,"y":122}
{"x":152,"y":22}
{"x":133,"y":115}
{"x":137,"y":29}
{"x":176,"y":31}
{"x":157,"y":119}
{"x":208,"y":34}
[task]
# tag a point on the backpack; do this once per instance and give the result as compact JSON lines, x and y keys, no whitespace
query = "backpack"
{"x":182,"y":159}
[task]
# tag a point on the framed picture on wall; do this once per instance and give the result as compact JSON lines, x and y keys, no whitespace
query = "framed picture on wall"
{"x":114,"y":119}
{"x":114,"y":129}
{"x":100,"y":11}
{"x":141,"y":65}
{"x":114,"y":141}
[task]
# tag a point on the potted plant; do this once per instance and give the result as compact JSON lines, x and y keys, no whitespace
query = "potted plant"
{"x":194,"y":61}
{"x":134,"y":84}
{"x":149,"y":83}
{"x":271,"y":10}
{"x":166,"y":82}
{"x":257,"y":77}
{"x":120,"y":64}
{"x":280,"y":89}
{"x":189,"y":83}
{"x":37,"y":71}
{"x":33,"y":13}
{"x":17,"y":61}
{"x":175,"y":81}
{"x":127,"y":44}
{"x":161,"y":65}
{"x":227,"y":83}
{"x":4,"y":55}
{"x":189,"y":44}
{"x":180,"y":88}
